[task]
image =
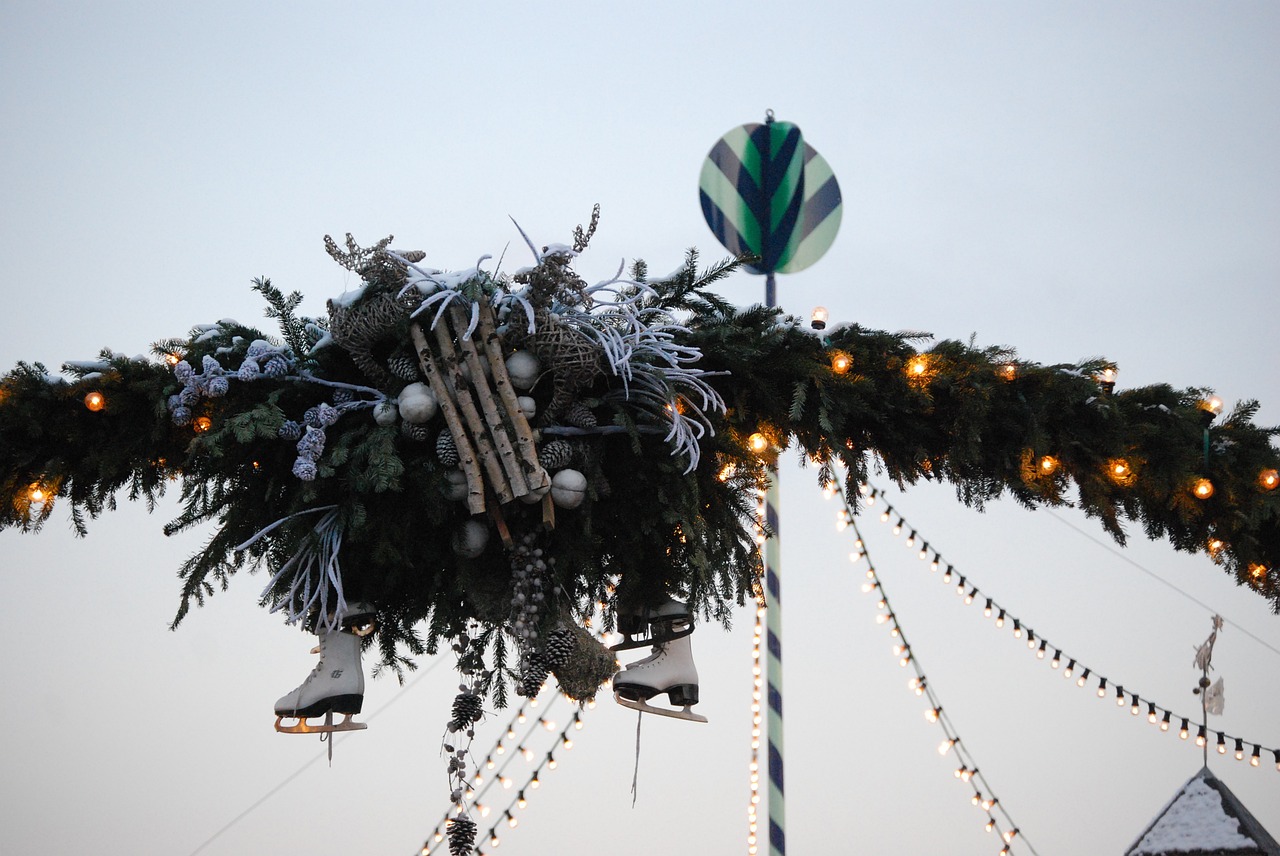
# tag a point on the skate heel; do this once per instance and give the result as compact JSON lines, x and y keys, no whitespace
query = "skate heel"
{"x":349,"y":704}
{"x":683,"y":694}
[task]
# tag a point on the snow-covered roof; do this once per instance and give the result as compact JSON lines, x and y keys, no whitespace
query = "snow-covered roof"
{"x":1204,"y":819}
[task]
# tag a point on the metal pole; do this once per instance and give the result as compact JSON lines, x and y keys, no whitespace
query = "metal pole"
{"x":773,"y":635}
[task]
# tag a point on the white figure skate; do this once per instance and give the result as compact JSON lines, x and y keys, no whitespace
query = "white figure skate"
{"x":336,"y":684}
{"x":645,"y":625}
{"x":669,"y":669}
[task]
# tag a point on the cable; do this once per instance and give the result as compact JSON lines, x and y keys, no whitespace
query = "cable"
{"x":1110,"y":548}
{"x":269,"y":794}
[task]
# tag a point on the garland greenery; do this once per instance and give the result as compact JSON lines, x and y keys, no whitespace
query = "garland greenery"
{"x":668,"y":402}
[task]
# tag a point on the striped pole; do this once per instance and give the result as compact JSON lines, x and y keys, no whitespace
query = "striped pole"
{"x":773,"y":635}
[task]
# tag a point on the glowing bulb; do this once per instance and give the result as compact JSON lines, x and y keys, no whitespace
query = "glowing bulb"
{"x":818,"y":320}
{"x":1048,"y":465}
{"x":841,"y":362}
{"x":1202,"y":488}
{"x":1183,"y":731}
{"x":932,"y":714}
{"x":172,"y":359}
{"x":1212,"y":406}
{"x":1239,"y":750}
{"x":1269,"y":479}
{"x":918,"y":366}
{"x":1164,"y":723}
{"x":1215,"y":546}
{"x":201,"y":424}
{"x":1258,"y":573}
{"x":95,"y":401}
{"x":1008,"y":371}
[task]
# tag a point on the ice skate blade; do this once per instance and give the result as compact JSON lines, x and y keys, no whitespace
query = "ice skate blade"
{"x":644,"y":707}
{"x":326,"y":727}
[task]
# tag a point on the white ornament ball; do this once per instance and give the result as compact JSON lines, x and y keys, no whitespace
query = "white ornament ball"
{"x":455,"y":485}
{"x":385,"y":414}
{"x":523,"y":368}
{"x":568,"y":488}
{"x":528,"y":406}
{"x":470,"y":539}
{"x":417,"y":403}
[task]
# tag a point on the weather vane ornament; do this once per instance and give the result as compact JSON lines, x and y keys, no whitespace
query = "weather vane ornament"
{"x":485,"y":458}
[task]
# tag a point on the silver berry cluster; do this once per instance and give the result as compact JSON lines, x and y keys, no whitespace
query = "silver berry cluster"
{"x":210,"y":382}
{"x":264,"y":360}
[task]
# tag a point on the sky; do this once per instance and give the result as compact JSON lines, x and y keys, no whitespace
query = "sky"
{"x":1073,"y":180}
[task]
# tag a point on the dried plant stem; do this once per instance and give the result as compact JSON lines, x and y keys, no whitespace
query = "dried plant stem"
{"x":460,"y":393}
{"x":466,"y":452}
{"x":492,"y":417}
{"x":537,"y":476}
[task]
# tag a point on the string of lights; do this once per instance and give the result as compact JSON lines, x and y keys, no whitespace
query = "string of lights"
{"x":1159,"y":715}
{"x":998,"y":820}
{"x":479,"y":784}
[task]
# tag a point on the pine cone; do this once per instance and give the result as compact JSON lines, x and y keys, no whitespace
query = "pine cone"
{"x":555,"y":454}
{"x":534,"y":675}
{"x":403,"y":366}
{"x":580,"y":416}
{"x":462,"y":835}
{"x":466,"y":711}
{"x":414,"y":431}
{"x":560,"y":645}
{"x":447,"y":450}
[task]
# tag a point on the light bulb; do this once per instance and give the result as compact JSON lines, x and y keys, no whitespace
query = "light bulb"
{"x":757,"y":443}
{"x":818,"y":320}
{"x":1164,"y":723}
{"x":201,"y":424}
{"x":1008,"y":371}
{"x":1102,"y":688}
{"x":95,"y":401}
{"x":1048,"y":465}
{"x":1239,"y":749}
{"x":1202,"y":488}
{"x":1151,"y":713}
{"x":1222,"y":744}
{"x":1182,"y":732}
{"x":1269,"y":479}
{"x":841,"y":362}
{"x":1057,"y":659}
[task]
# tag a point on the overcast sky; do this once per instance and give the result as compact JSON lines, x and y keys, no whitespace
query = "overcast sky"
{"x":1070,"y":179}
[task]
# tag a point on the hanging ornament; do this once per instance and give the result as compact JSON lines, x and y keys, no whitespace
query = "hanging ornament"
{"x":568,"y":488}
{"x":417,"y":403}
{"x":523,"y":368}
{"x":470,"y":539}
{"x":385,"y":413}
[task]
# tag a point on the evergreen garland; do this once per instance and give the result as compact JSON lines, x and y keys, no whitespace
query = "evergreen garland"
{"x":650,"y":525}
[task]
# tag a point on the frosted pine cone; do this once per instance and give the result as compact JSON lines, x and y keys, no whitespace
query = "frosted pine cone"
{"x":555,"y":455}
{"x":447,"y":449}
{"x":276,"y":368}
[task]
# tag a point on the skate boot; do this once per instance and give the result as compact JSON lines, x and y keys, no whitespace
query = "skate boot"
{"x":336,"y":684}
{"x":669,"y":669}
{"x":634,"y":624}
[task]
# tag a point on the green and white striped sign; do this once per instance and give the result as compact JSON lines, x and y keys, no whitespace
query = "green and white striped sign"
{"x":766,"y":192}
